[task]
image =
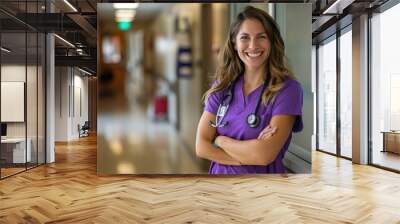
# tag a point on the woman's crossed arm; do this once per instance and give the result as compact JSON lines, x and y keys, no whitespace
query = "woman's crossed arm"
{"x":259,"y":151}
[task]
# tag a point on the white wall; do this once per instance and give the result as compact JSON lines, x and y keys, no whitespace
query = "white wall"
{"x":61,"y":103}
{"x":13,"y":73}
{"x":33,"y":126}
{"x":71,"y":87}
{"x":190,"y":90}
{"x":79,"y":117}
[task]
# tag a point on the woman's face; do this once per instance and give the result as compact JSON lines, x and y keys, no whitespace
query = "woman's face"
{"x":252,"y":44}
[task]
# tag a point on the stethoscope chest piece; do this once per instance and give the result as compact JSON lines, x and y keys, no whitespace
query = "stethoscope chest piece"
{"x":253,"y":120}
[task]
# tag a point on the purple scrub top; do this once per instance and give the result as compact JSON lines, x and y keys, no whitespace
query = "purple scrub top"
{"x":289,"y":101}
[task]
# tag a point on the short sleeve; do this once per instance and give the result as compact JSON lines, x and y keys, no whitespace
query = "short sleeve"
{"x":289,"y":101}
{"x":213,"y":101}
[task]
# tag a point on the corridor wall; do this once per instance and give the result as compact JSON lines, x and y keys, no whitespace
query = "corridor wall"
{"x":71,"y":102}
{"x":294,"y":21}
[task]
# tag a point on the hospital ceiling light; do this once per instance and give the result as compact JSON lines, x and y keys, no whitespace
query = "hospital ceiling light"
{"x":124,"y":18}
{"x":125,"y":15}
{"x":65,"y":41}
{"x":5,"y":50}
{"x":70,"y":5}
{"x":125,"y":5}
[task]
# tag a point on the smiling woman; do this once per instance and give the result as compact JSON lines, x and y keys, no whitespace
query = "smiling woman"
{"x":263,"y":98}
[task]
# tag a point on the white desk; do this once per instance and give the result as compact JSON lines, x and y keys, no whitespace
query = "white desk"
{"x":19,"y":149}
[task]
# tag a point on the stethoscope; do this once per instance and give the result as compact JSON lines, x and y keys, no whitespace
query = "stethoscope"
{"x":253,"y":120}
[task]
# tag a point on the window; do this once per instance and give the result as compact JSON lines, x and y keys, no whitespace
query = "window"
{"x":327,"y":96}
{"x":22,"y":75}
{"x":385,"y":88}
{"x":346,"y":93}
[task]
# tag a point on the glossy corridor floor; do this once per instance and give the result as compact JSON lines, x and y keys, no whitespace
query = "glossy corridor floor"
{"x":69,"y":191}
{"x":131,"y":143}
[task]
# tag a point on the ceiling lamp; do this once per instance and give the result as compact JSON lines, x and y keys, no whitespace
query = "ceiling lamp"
{"x":125,"y":5}
{"x":123,"y":15}
{"x":5,"y":50}
{"x":337,"y":7}
{"x":64,"y":40}
{"x":70,"y":5}
{"x":84,"y":71}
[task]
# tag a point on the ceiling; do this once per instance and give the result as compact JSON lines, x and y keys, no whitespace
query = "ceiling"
{"x":332,"y":15}
{"x":80,"y":27}
{"x":77,"y":26}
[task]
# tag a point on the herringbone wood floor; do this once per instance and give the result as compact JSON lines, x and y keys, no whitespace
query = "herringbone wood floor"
{"x":69,"y":191}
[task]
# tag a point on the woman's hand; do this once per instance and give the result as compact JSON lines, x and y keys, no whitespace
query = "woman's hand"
{"x":205,"y":137}
{"x":218,"y":140}
{"x":267,"y":132}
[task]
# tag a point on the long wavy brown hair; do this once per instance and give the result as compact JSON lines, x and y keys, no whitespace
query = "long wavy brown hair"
{"x":230,"y":65}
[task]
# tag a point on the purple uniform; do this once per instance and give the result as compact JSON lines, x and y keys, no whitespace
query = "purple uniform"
{"x":289,"y":101}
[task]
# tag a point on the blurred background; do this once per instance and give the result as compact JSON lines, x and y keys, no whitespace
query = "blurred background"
{"x":155,"y":61}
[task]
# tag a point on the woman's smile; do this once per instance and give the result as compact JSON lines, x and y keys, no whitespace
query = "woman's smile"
{"x":253,"y":55}
{"x":252,"y":44}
